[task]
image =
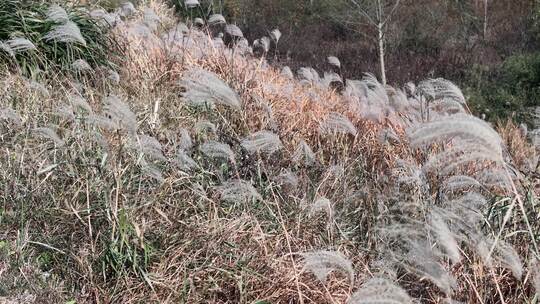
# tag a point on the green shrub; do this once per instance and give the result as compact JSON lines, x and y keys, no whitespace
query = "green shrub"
{"x":510,"y":89}
{"x":28,"y":19}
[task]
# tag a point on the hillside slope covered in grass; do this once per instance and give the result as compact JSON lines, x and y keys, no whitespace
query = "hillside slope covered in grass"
{"x":188,"y":170}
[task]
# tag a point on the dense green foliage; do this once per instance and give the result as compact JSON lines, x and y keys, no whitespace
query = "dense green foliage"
{"x":510,"y":89}
{"x":28,"y":19}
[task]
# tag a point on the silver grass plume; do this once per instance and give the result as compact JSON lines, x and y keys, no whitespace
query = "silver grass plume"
{"x":80,"y":65}
{"x":423,"y":260}
{"x":204,"y":126}
{"x":151,"y":147}
{"x":503,"y":255}
{"x":184,"y":161}
{"x":460,"y":183}
{"x":204,"y":87}
{"x":334,"y":61}
{"x":217,"y":150}
{"x":198,"y":22}
{"x":191,"y":3}
{"x":331,"y":77}
{"x":287,"y":179}
{"x":322,"y":204}
{"x":315,"y":74}
{"x":238,"y":190}
{"x":322,"y":262}
{"x":151,"y":19}
{"x":185,"y":143}
{"x":104,"y":18}
{"x":66,"y":112}
{"x":120,"y":115}
{"x":216,"y":19}
{"x":441,"y":89}
{"x":127,"y":9}
{"x":152,"y":171}
{"x":19,"y":44}
{"x":380,"y":291}
{"x":234,"y":31}
{"x":56,"y":13}
{"x":275,"y":35}
{"x":38,"y":87}
{"x":50,"y":134}
{"x":10,"y":115}
{"x":79,"y":103}
{"x":460,"y":126}
{"x":4,"y":46}
{"x":337,"y":123}
{"x":262,"y":44}
{"x":113,"y":76}
{"x":287,"y":73}
{"x":534,"y":270}
{"x":68,"y":32}
{"x":445,"y":237}
{"x":304,"y":154}
{"x":262,"y":142}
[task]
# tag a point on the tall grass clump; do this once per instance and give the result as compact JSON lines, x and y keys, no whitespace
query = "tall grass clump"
{"x":35,"y":35}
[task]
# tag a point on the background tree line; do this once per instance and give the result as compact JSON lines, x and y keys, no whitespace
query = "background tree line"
{"x":489,"y":47}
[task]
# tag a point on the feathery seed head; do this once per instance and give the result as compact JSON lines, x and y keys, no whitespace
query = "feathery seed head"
{"x":204,"y":126}
{"x":262,"y":142}
{"x":337,"y":123}
{"x":151,"y":147}
{"x":275,"y":34}
{"x":185,"y":143}
{"x":304,"y":154}
{"x":379,"y":290}
{"x":10,"y":115}
{"x":216,"y":19}
{"x":50,"y":134}
{"x":184,"y":161}
{"x":238,"y":190}
{"x":234,"y":31}
{"x":120,"y":115}
{"x":19,"y":44}
{"x":80,"y":65}
{"x":217,"y":150}
{"x":334,"y":61}
{"x":127,"y":9}
{"x":322,"y":262}
{"x":56,"y":13}
{"x":191,"y":3}
{"x":206,"y":88}
{"x":4,"y":46}
{"x":68,"y":32}
{"x":287,"y":73}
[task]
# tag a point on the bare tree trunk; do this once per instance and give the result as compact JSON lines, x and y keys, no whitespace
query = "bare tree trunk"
{"x":381,"y":53}
{"x":485,"y":18}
